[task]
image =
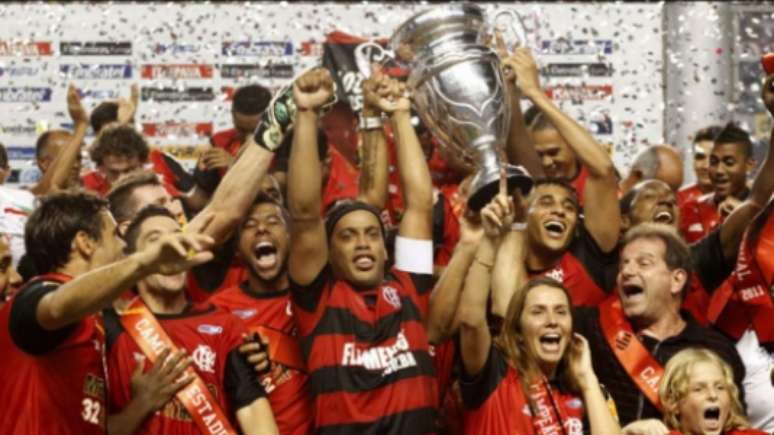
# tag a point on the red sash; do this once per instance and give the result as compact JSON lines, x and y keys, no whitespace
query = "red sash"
{"x":641,"y":367}
{"x":150,"y":337}
{"x":744,"y":298}
{"x":283,"y":348}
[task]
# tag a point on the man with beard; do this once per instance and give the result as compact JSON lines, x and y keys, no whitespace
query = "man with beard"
{"x":212,"y":337}
{"x":702,"y":147}
{"x":262,"y":301}
{"x":361,"y":327}
{"x":561,"y":245}
{"x":633,"y":335}
{"x":729,"y":164}
{"x":52,"y":340}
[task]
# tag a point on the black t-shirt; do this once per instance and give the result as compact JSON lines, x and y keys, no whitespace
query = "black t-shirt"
{"x":631,"y":403}
{"x":709,"y":263}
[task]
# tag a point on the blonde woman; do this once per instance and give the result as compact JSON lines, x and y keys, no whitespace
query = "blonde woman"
{"x":536,"y":377}
{"x":699,"y":397}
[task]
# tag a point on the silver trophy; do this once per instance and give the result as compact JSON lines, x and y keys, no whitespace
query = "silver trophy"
{"x":459,"y":91}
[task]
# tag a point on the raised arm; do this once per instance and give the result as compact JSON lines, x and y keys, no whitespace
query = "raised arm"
{"x":598,"y":413}
{"x":520,"y":148}
{"x":235,"y":192}
{"x":733,"y":227}
{"x":445,"y":299}
{"x":93,"y":291}
{"x":55,"y":178}
{"x":372,"y":188}
{"x":510,"y":271}
{"x":475,"y":338}
{"x":308,"y":244}
{"x":416,"y":184}
{"x":602,"y":214}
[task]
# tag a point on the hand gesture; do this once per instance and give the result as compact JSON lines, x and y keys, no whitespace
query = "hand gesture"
{"x":767,"y":94}
{"x":313,"y":89}
{"x":497,"y":216}
{"x":75,"y":107}
{"x":125,"y":111}
{"x":645,"y":427}
{"x":470,"y":231}
{"x":382,"y":93}
{"x":162,"y":381}
{"x":255,"y":350}
{"x":525,"y":71}
{"x":581,"y":368}
{"x":173,"y":253}
{"x":217,"y":158}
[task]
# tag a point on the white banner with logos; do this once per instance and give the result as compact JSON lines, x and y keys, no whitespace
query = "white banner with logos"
{"x":601,"y":62}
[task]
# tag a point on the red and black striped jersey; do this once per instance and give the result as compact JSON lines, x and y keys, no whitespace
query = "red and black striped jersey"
{"x":53,"y":381}
{"x":367,"y":354}
{"x":287,"y":387}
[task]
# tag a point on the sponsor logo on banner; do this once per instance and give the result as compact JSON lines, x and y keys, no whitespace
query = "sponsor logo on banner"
{"x":20,"y":153}
{"x":19,"y":130}
{"x":177,"y":129}
{"x":24,"y":95}
{"x":578,"y":69}
{"x":577,"y":46}
{"x":96,"y":71}
{"x":18,"y":71}
{"x":175,"y":48}
{"x":95,"y":48}
{"x":180,"y":71}
{"x":257,"y":48}
{"x":21,"y":48}
{"x":577,"y":94}
{"x":311,"y":48}
{"x":100,"y":94}
{"x":272,"y":70}
{"x":177,"y":95}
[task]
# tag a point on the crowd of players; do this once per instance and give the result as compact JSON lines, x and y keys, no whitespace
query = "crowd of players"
{"x":279,"y":290}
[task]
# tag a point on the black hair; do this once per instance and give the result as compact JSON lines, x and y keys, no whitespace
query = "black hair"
{"x":707,"y":133}
{"x":251,"y":100}
{"x":105,"y":113}
{"x":122,"y":141}
{"x":133,"y":230}
{"x":561,"y":182}
{"x":50,"y":230}
{"x":121,"y":195}
{"x":733,"y":134}
{"x":345,"y":207}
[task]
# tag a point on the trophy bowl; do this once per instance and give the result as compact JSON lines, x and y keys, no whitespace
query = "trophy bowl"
{"x":459,"y":92}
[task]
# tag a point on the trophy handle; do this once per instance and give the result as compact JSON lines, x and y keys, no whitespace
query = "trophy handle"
{"x":369,"y":52}
{"x":514,"y":23}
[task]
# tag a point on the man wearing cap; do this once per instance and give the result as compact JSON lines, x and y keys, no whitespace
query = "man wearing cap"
{"x":361,"y":327}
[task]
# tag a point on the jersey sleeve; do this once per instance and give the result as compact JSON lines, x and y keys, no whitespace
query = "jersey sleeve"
{"x":709,"y":263}
{"x":23,"y":324}
{"x":476,"y":390}
{"x":307,"y":297}
{"x":601,"y":266}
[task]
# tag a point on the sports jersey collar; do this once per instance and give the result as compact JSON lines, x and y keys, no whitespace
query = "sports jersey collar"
{"x":245,"y":288}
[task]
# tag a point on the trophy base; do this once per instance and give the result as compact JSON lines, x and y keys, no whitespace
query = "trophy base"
{"x":486,"y":185}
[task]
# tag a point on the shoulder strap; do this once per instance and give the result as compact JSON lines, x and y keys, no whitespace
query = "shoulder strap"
{"x":151,"y":338}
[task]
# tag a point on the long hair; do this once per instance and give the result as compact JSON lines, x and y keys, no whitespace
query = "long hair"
{"x":512,"y":343}
{"x":675,"y":383}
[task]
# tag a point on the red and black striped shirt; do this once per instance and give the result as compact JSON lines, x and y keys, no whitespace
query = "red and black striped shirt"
{"x":367,"y":354}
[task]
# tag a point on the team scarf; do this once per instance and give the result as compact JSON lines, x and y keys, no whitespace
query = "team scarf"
{"x":745,"y":298}
{"x":549,"y":412}
{"x":635,"y":358}
{"x":151,"y":338}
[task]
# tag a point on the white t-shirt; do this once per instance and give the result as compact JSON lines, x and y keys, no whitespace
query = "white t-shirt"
{"x":758,"y":388}
{"x":16,"y":205}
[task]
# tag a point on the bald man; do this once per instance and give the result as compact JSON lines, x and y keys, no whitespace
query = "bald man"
{"x":658,"y":162}
{"x":48,"y":146}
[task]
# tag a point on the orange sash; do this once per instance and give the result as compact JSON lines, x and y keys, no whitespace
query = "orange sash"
{"x":639,"y":364}
{"x":150,"y":337}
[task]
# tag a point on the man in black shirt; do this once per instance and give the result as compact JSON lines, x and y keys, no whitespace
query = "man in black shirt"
{"x":654,"y":274}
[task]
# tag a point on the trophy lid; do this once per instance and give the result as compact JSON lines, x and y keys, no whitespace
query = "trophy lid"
{"x":461,"y":20}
